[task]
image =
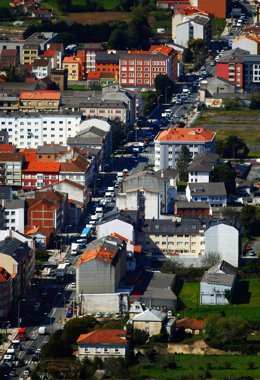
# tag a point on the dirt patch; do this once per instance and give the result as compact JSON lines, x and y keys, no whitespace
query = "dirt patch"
{"x":90,"y":18}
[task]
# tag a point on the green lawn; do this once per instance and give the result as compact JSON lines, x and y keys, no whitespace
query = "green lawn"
{"x":244,"y":123}
{"x":4,"y":3}
{"x":107,"y":4}
{"x":160,"y":19}
{"x":247,"y":306}
{"x":220,"y":367}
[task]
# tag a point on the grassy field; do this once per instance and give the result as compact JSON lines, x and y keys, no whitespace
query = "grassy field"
{"x":91,"y":18}
{"x":247,"y":304}
{"x":217,"y":367}
{"x":107,"y":4}
{"x":244,"y":123}
{"x":160,"y":19}
{"x":4,"y":3}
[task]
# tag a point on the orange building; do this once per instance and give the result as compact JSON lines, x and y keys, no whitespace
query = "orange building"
{"x":75,"y":68}
{"x":215,"y":8}
{"x":107,"y":61}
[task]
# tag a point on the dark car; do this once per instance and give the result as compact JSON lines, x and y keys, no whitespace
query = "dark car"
{"x":29,"y":350}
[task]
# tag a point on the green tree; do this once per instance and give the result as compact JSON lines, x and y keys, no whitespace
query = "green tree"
{"x":232,"y":104}
{"x":255,"y":101}
{"x":138,"y":33}
{"x":223,"y":172}
{"x":118,"y":133}
{"x":140,"y":337}
{"x":163,"y":86}
{"x":210,"y":259}
{"x":231,"y":214}
{"x":183,"y":163}
{"x":76,"y":326}
{"x":232,"y":145}
{"x":248,"y":218}
{"x":118,"y":39}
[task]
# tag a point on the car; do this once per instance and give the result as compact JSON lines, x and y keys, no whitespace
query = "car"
{"x":36,"y":306}
{"x":169,"y":313}
{"x":26,"y":372}
{"x":28,"y":350}
{"x":38,"y":351}
{"x":12,"y":373}
{"x":72,"y":285}
{"x":44,"y":293}
{"x":251,"y":253}
{"x":107,"y":314}
{"x":35,"y":358}
{"x":98,"y":315}
{"x":67,"y":261}
{"x":118,"y":315}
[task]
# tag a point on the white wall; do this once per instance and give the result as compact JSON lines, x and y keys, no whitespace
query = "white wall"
{"x":213,"y":294}
{"x":92,"y":303}
{"x":40,"y":129}
{"x":183,"y":34}
{"x":224,"y":240}
{"x":15,"y":221}
{"x":245,"y":44}
{"x":199,"y":177}
{"x":116,"y":226}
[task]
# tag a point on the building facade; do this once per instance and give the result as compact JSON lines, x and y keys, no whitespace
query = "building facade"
{"x":11,"y":169}
{"x":167,"y":144}
{"x":40,"y":128}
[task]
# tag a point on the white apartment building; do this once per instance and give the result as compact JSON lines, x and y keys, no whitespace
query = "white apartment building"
{"x":31,"y":130}
{"x":14,"y":214}
{"x":41,"y":68}
{"x":196,"y":27}
{"x":168,"y":144}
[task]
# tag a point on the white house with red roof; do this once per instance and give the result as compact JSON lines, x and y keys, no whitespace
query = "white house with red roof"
{"x":169,"y":142}
{"x":103,"y":344}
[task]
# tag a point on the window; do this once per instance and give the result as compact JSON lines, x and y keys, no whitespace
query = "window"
{"x":86,"y":350}
{"x":106,"y":350}
{"x":117,"y":351}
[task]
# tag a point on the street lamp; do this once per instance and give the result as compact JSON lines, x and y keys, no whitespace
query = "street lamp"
{"x":158,"y":101}
{"x":166,"y":93}
{"x":18,"y":313}
{"x":66,"y":235}
{"x":94,"y":189}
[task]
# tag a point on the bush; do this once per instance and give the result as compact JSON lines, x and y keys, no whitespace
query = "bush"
{"x":250,"y":365}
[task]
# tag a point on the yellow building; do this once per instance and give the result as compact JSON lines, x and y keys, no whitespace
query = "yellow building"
{"x":29,"y":53}
{"x":40,"y":100}
{"x":150,"y":321}
{"x":75,"y":68}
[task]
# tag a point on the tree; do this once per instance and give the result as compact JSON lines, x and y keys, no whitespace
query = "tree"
{"x":232,"y":145}
{"x":118,"y":39}
{"x":138,"y":33}
{"x":248,"y":218}
{"x":228,"y":295}
{"x":210,"y":259}
{"x":118,"y":133}
{"x":231,"y":214}
{"x":223,"y":172}
{"x":255,"y":101}
{"x":232,"y":104}
{"x":140,"y":337}
{"x":75,"y":327}
{"x":183,"y":163}
{"x":163,"y":86}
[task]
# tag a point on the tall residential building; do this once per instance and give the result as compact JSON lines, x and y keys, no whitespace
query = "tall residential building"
{"x":168,"y":144}
{"x":140,"y":68}
{"x":34,"y":45}
{"x":40,"y":128}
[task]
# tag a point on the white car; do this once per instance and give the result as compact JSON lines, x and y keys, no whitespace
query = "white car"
{"x":72,"y":285}
{"x":98,"y":315}
{"x":118,"y":315}
{"x":107,"y":314}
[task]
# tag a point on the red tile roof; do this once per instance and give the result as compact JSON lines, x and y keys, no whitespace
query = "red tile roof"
{"x":78,"y":165}
{"x":40,"y":95}
{"x":48,"y":53}
{"x":29,"y":154}
{"x":104,"y":337}
{"x":94,"y":75}
{"x":7,"y":148}
{"x":167,"y":50}
{"x":190,"y":323}
{"x":42,"y":167}
{"x":186,"y":135}
{"x":189,"y":11}
{"x":97,"y":253}
{"x":9,"y":53}
{"x":9,"y":156}
{"x":56,"y":47}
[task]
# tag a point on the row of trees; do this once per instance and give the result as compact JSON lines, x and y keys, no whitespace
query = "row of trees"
{"x":233,"y":104}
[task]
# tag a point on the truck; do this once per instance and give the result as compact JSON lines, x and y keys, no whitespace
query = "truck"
{"x":42,"y":330}
{"x":75,"y":248}
{"x":61,"y":270}
{"x":22,"y":334}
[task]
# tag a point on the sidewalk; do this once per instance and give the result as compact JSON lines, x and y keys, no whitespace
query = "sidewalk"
{"x":11,"y":336}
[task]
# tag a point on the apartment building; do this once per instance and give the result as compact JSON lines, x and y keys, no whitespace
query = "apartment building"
{"x":14,"y":214}
{"x":34,"y":45}
{"x":6,"y":293}
{"x":251,"y":73}
{"x":139,"y":68}
{"x":184,"y":14}
{"x":179,"y":236}
{"x":39,"y":174}
{"x":192,"y":28}
{"x":11,"y":164}
{"x":213,"y":192}
{"x":249,"y":42}
{"x":59,"y":50}
{"x":230,"y":66}
{"x":75,"y":68}
{"x":40,"y":128}
{"x":40,"y":100}
{"x":91,"y":51}
{"x":41,"y":67}
{"x":168,"y":143}
{"x":107,"y":61}
{"x":201,"y":167}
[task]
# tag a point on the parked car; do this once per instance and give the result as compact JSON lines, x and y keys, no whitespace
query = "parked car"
{"x":118,"y":315}
{"x":98,"y":315}
{"x":251,"y":253}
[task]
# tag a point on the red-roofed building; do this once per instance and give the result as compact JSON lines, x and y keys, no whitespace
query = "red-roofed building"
{"x":39,"y":174}
{"x":59,"y":49}
{"x":103,"y":344}
{"x":47,"y":210}
{"x":190,"y":325}
{"x":140,"y":68}
{"x":52,"y":55}
{"x":75,"y":67}
{"x":7,"y":148}
{"x":168,"y":144}
{"x":6,"y":293}
{"x":29,"y":154}
{"x":40,"y":100}
{"x":8,"y":58}
{"x":172,"y":4}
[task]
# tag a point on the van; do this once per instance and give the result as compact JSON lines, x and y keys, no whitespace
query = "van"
{"x":168,"y":112}
{"x":108,"y":196}
{"x":10,"y":351}
{"x":185,"y":91}
{"x":99,"y":212}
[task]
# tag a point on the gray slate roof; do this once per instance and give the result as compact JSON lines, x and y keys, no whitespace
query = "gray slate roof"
{"x":151,"y":315}
{"x":203,"y":162}
{"x":223,"y":266}
{"x":210,"y":188}
{"x":218,"y":279}
{"x":14,"y":204}
{"x":192,"y":205}
{"x":180,"y":225}
{"x":233,"y":56}
{"x":14,"y":248}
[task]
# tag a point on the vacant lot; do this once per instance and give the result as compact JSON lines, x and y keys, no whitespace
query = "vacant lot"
{"x":247,"y":303}
{"x":244,"y":123}
{"x":98,"y":17}
{"x":195,"y":366}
